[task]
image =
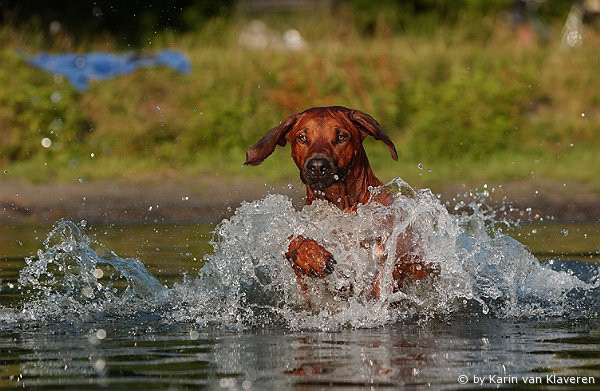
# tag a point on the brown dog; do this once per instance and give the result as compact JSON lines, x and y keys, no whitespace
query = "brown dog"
{"x":327,"y":148}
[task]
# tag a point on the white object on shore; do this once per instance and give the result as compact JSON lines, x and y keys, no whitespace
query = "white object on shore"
{"x":258,"y":36}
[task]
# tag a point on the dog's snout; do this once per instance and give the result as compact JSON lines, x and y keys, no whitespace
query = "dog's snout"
{"x":319,"y":172}
{"x":318,"y":166}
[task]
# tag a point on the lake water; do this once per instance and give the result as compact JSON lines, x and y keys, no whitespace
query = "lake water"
{"x":83,"y":313}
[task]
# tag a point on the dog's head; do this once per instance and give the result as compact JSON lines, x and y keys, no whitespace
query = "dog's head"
{"x":326,"y":143}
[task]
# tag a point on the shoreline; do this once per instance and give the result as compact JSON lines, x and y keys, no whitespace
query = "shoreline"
{"x":210,"y":199}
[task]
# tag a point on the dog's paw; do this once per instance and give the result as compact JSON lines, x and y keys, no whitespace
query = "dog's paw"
{"x":309,"y":257}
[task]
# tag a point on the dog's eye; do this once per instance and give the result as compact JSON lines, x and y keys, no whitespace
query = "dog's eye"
{"x":342,"y":138}
{"x":301,"y":139}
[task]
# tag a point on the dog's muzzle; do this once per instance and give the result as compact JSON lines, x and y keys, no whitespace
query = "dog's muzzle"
{"x":319,"y":173}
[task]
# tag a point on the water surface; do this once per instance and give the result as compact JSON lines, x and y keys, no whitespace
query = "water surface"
{"x":170,"y":326}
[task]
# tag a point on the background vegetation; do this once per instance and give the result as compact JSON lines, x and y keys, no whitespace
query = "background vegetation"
{"x":448,"y":81}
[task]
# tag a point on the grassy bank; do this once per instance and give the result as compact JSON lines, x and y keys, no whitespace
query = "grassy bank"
{"x":465,"y":101}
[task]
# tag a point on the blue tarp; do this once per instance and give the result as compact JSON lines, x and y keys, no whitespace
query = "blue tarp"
{"x":80,"y":68}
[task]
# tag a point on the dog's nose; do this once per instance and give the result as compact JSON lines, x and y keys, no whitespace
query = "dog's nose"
{"x":318,"y":166}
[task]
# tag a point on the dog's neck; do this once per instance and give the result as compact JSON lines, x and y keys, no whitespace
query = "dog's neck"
{"x":354,"y":190}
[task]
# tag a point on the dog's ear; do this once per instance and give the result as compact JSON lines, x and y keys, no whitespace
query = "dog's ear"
{"x":369,"y":127}
{"x":266,"y":145}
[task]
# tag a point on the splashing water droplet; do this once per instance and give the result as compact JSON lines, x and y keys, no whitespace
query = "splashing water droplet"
{"x":99,"y":365}
{"x":98,"y":273}
{"x":93,"y":340}
{"x":55,"y":97}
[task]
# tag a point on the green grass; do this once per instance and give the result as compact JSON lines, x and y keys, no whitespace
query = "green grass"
{"x":464,"y":100}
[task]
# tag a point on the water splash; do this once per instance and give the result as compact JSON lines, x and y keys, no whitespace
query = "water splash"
{"x":62,"y":282}
{"x":247,"y":282}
